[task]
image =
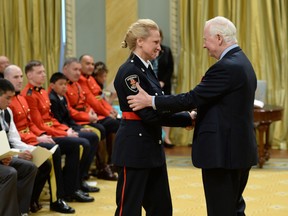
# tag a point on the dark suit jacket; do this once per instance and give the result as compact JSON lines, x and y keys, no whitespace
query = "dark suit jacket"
{"x":61,"y":112}
{"x":138,"y":143}
{"x":165,"y":68}
{"x":224,"y":132}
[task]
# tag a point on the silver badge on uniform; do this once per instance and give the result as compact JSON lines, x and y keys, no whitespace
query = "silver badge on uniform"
{"x":131,"y":82}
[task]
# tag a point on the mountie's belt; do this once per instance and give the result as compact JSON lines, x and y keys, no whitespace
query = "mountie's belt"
{"x":25,"y":131}
{"x":49,"y":124}
{"x":130,"y":116}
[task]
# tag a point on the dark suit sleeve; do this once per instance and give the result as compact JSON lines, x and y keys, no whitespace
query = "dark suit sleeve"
{"x":215,"y":83}
{"x":148,"y":115}
{"x":182,"y":119}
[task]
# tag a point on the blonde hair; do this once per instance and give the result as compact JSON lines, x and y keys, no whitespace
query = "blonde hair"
{"x":139,"y":29}
{"x":224,"y":27}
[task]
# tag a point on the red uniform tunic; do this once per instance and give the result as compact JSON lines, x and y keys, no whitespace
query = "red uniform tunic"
{"x":90,"y":84}
{"x":39,"y":103}
{"x":80,"y":104}
{"x":28,"y":131}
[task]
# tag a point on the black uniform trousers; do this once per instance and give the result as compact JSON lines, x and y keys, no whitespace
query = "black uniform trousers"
{"x":42,"y":176}
{"x":57,"y":167}
{"x":69,"y":147}
{"x":88,"y":152}
{"x":223,"y":191}
{"x":143,"y":186}
{"x":106,"y":126}
{"x":110,"y":124}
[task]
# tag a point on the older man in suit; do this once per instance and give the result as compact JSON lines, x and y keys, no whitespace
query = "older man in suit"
{"x":224,"y":144}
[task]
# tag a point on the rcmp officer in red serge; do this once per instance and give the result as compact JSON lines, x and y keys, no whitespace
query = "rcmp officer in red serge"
{"x":138,"y":151}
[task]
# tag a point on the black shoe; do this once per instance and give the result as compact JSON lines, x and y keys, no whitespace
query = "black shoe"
{"x":79,"y":197}
{"x":83,"y":193}
{"x":167,"y":145}
{"x":61,"y":206}
{"x":113,"y":168}
{"x":106,"y":174}
{"x":86,"y":188}
{"x":35,"y":207}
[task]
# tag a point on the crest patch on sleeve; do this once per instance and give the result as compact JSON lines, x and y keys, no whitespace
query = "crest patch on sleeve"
{"x":131,"y":82}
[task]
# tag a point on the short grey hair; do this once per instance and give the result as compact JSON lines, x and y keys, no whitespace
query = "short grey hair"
{"x":224,"y":27}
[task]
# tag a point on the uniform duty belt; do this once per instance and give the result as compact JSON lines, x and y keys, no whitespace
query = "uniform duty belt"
{"x":49,"y":124}
{"x":81,"y":108}
{"x":24,"y":131}
{"x":98,"y":97}
{"x":130,"y":116}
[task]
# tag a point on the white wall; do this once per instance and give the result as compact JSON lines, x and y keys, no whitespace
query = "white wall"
{"x":90,"y":28}
{"x":157,"y":10}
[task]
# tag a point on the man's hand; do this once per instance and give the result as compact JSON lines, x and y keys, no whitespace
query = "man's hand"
{"x":45,"y":139}
{"x":26,"y":155}
{"x":113,"y":113}
{"x":139,"y":101}
{"x":85,"y":130}
{"x":193,"y":115}
{"x":6,"y":161}
{"x":71,"y":133}
{"x":93,"y":118}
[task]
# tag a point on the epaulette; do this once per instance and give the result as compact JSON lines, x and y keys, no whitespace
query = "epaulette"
{"x":38,"y":89}
{"x":29,"y":92}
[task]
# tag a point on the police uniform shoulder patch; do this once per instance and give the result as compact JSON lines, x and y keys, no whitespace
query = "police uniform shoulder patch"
{"x":131,"y":82}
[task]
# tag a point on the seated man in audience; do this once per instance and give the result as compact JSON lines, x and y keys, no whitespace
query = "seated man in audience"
{"x":67,"y":139}
{"x":59,"y":108}
{"x":89,"y":85}
{"x":16,"y":175}
{"x":4,"y":62}
{"x":84,"y":114}
{"x":27,"y":131}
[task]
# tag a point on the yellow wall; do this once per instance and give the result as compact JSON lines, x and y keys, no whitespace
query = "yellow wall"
{"x":125,"y":12}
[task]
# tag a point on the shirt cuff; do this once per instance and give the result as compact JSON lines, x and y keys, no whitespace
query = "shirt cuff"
{"x":153,"y":103}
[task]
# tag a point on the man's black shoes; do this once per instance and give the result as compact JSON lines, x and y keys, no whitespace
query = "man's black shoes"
{"x":86,"y":188}
{"x":61,"y":206}
{"x":78,"y":196}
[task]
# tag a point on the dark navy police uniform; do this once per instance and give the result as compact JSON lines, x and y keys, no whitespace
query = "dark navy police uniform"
{"x":138,"y":149}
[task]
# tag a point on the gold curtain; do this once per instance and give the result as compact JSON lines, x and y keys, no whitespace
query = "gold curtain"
{"x":30,"y":29}
{"x":262,"y":34}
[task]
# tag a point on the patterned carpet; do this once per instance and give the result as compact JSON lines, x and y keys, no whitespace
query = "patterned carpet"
{"x":266,"y":193}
